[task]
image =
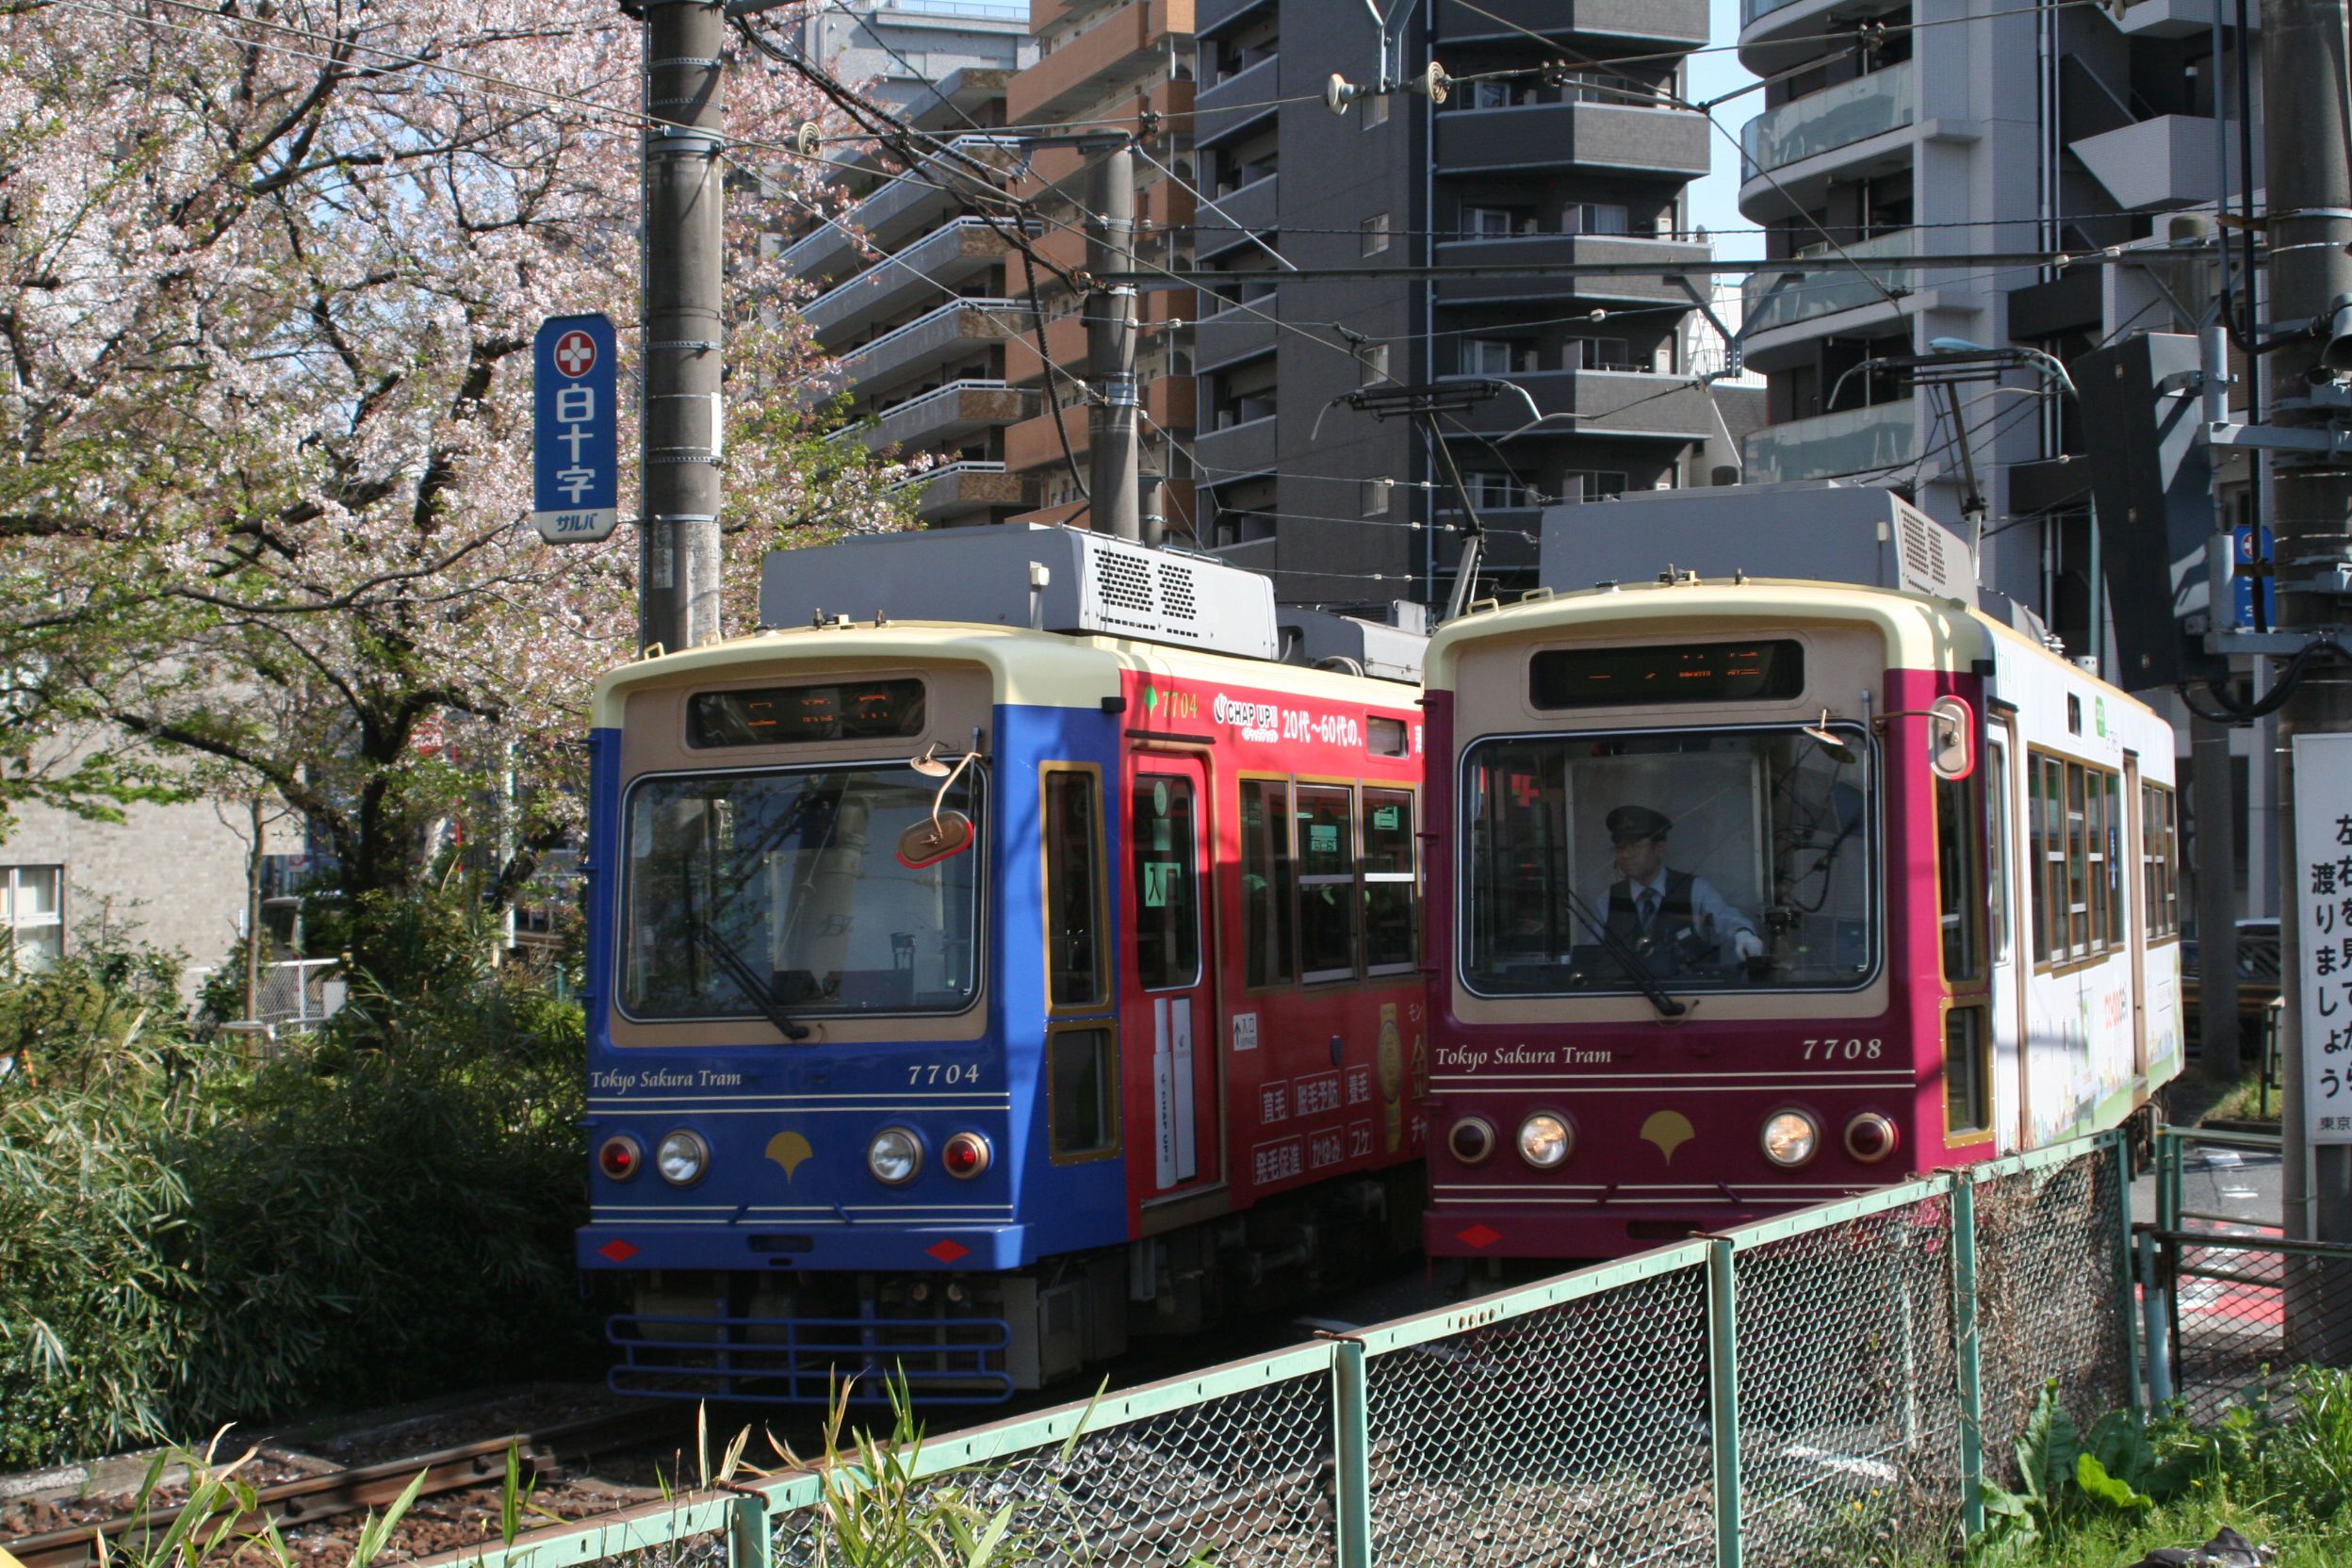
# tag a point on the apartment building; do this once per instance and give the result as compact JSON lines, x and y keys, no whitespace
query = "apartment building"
{"x":1558,"y":156}
{"x":1121,"y":67}
{"x":1984,"y":128}
{"x":894,"y":51}
{"x":917,"y":291}
{"x":1992,"y":128}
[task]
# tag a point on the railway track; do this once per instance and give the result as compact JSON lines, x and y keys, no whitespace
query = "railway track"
{"x":544,"y":1454}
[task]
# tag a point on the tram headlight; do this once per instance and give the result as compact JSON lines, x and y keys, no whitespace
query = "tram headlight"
{"x":966,"y":1155}
{"x":1472,"y":1139}
{"x":1545,"y":1139}
{"x":620,"y":1156}
{"x":1790,"y":1138}
{"x":1871,"y":1137}
{"x":894,"y":1156}
{"x":682,"y":1158}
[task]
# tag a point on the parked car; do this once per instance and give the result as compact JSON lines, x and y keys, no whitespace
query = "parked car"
{"x":2258,"y":982}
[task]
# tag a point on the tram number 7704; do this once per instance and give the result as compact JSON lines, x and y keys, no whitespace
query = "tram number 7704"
{"x":1845,"y":1051}
{"x":927,"y":1073}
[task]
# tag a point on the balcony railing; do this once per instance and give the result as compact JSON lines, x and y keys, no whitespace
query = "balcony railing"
{"x":1859,"y":441}
{"x":1836,"y":117}
{"x":1825,"y":293}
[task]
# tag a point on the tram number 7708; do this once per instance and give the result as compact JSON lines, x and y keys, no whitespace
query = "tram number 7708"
{"x":1845,"y":1051}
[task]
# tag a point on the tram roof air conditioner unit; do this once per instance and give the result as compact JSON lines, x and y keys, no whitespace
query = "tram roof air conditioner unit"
{"x":1318,"y":636}
{"x":1046,"y":579}
{"x":1818,"y":530}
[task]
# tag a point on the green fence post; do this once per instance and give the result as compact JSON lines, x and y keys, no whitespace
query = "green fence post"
{"x":2127,"y":1298}
{"x":1351,"y":1477}
{"x":1971,"y":1371}
{"x":750,"y":1540}
{"x":1722,"y":1397}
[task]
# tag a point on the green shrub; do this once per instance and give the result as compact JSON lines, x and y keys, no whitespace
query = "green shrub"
{"x":93,"y":1312}
{"x":371,"y":1224}
{"x":188,"y":1239}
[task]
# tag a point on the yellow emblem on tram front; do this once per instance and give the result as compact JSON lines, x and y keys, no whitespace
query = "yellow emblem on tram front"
{"x":1669,"y":1131}
{"x":789,"y":1149}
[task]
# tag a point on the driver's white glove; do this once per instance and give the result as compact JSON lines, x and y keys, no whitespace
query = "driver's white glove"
{"x":1747,"y":944}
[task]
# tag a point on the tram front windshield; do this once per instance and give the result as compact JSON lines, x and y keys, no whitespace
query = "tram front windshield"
{"x":1761,"y":878}
{"x":782,"y":895}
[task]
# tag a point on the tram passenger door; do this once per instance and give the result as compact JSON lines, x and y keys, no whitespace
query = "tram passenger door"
{"x":2133,"y":885}
{"x":2008,"y":975}
{"x":1167,"y":836}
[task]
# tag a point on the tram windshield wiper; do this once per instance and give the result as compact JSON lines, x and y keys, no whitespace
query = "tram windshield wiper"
{"x":731,"y":964}
{"x":1628,"y":960}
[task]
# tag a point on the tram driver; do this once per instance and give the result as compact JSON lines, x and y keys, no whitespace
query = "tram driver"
{"x":1666,"y":914}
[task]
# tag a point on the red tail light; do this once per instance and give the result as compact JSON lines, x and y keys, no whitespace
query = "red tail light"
{"x":966,"y":1155}
{"x":1871,"y":1136}
{"x":620,"y":1157}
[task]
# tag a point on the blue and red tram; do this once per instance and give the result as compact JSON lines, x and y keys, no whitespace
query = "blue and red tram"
{"x":1760,"y":893}
{"x":1027,"y":964}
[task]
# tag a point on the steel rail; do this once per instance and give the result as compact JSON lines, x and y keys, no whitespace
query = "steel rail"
{"x":543,"y":1455}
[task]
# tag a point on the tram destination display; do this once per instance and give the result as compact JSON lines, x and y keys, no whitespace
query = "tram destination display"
{"x":1705,"y":672}
{"x":780,"y":715}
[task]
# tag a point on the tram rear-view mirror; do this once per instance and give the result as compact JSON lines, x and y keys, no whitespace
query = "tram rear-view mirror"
{"x":1951,"y":730}
{"x":935,"y":839}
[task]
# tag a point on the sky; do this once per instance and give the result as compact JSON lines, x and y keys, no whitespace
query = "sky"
{"x":1715,"y":200}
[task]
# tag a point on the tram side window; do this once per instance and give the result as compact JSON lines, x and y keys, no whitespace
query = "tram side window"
{"x":1960,"y":877}
{"x":1073,"y":917}
{"x":1168,"y":883}
{"x":1390,"y":940}
{"x":1997,"y":785}
{"x":1267,"y":905}
{"x":1327,"y":882}
{"x":2079,"y":891}
{"x":1084,"y":1110}
{"x":1968,"y":1071}
{"x":2160,"y":862}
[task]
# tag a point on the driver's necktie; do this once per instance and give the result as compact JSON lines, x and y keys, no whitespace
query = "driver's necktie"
{"x":1649,"y":907}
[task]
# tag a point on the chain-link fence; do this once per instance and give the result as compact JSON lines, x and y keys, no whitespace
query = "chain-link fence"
{"x":2233,"y":1303}
{"x":1819,"y":1389}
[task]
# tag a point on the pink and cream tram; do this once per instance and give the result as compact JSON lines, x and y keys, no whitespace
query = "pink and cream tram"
{"x":1911,"y":903}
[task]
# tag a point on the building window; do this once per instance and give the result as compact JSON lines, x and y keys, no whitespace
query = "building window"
{"x":1591,"y":484}
{"x":1495,"y":356}
{"x":32,"y":917}
{"x":1495,"y":222}
{"x":1374,"y":229}
{"x":1372,"y":364}
{"x":1601,"y":353}
{"x":1489,"y":488}
{"x":1373,"y":500}
{"x":1595,"y":218}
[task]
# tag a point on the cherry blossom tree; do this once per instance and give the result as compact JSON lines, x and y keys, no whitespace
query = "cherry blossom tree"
{"x":269,"y":277}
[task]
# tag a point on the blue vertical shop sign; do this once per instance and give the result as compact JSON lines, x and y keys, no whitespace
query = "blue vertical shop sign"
{"x":576,"y":464}
{"x":2252,"y":548}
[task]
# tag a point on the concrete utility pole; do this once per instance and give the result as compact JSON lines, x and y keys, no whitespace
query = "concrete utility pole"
{"x":681,"y":276}
{"x":1115,"y":463}
{"x":2304,"y":82}
{"x":2214,"y":813}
